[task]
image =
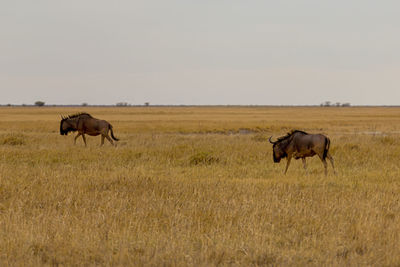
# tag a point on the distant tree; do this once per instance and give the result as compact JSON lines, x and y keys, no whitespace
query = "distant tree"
{"x":84,"y":104}
{"x":346,"y":105}
{"x":147,"y":104}
{"x":327,"y":104}
{"x":9,"y":105}
{"x":39,"y":103}
{"x":338,"y":104}
{"x":122,"y":104}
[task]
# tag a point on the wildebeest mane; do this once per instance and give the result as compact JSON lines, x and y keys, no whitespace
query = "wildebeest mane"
{"x":78,"y":115}
{"x":289,"y":134}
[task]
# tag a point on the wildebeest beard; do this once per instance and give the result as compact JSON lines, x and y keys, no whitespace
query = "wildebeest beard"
{"x":276,"y":159}
{"x":66,"y":131}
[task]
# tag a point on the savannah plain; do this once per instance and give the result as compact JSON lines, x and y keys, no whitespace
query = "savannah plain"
{"x":197,"y":186}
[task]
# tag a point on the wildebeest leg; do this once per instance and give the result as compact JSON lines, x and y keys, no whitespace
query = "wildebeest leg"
{"x":325,"y":164}
{"x":109,"y":139}
{"x":84,"y":139}
{"x":332,"y":162}
{"x":288,"y":163}
{"x":76,"y":137}
{"x":102,"y":140}
{"x":304,"y":164}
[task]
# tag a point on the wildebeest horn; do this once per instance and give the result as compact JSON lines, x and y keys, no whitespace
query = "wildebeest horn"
{"x":271,"y":140}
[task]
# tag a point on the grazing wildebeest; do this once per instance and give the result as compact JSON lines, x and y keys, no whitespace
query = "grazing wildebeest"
{"x":84,"y":123}
{"x":299,"y":144}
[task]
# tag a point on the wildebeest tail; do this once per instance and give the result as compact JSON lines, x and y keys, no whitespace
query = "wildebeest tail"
{"x":112,"y":133}
{"x":327,"y":145}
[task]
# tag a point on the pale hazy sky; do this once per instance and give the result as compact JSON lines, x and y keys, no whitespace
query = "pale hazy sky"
{"x":200,"y":52}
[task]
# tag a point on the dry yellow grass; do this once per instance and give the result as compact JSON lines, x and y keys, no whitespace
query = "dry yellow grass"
{"x":196,"y":186}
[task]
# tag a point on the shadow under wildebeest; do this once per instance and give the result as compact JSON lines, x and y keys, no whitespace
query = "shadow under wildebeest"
{"x":299,"y":145}
{"x":84,"y":123}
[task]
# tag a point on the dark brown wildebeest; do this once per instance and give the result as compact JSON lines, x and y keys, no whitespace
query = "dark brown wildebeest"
{"x":84,"y":123}
{"x":299,"y":145}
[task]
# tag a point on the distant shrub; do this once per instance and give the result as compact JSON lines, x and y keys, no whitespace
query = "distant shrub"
{"x":12,"y":140}
{"x":388,"y":140}
{"x":204,"y":158}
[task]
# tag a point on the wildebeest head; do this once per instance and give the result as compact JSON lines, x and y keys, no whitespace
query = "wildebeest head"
{"x":66,"y":126}
{"x":278,"y":152}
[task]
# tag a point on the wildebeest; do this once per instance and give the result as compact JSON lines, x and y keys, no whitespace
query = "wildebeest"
{"x":84,"y":123}
{"x":299,"y":145}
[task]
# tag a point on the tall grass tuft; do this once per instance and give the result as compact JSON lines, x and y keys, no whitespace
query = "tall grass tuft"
{"x":203,"y":158}
{"x":12,"y":139}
